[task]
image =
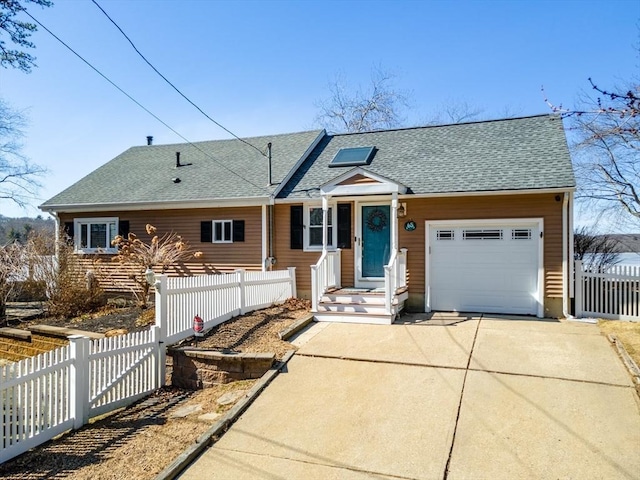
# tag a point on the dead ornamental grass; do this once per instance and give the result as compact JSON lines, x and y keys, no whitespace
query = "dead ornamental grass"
{"x":627,"y":332}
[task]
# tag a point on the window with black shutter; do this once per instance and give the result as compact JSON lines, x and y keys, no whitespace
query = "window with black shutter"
{"x":297,"y":227}
{"x":206,"y":231}
{"x":344,"y":225}
{"x":238,"y":230}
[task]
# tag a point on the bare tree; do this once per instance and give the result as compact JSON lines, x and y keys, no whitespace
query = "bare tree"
{"x":17,"y":174}
{"x":455,"y":110}
{"x":19,"y":32}
{"x":595,"y":250}
{"x":607,"y":149}
{"x":378,"y":106}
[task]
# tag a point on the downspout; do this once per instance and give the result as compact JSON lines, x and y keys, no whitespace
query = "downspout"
{"x":272,"y":259}
{"x":565,"y":253}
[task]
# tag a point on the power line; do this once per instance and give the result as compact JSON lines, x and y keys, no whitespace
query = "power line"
{"x":142,"y":106}
{"x":171,"y":84}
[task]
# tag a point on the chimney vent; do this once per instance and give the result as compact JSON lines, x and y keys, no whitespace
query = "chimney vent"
{"x":149,"y":140}
{"x":178,"y":160}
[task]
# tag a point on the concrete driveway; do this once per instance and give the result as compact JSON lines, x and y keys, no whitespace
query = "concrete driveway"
{"x":468,"y":397}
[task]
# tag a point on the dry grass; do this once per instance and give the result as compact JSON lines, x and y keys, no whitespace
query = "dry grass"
{"x":627,"y":332}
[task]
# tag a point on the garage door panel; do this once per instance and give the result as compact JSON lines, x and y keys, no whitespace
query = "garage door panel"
{"x":496,"y":274}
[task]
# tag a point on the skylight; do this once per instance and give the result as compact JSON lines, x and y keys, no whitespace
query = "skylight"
{"x":351,"y":157}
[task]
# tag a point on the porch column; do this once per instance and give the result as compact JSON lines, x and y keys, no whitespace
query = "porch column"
{"x":325,"y":226}
{"x":394,"y":222}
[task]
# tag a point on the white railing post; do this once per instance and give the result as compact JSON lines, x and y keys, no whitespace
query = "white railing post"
{"x":314,"y":288}
{"x":579,"y":288}
{"x":243,"y":293}
{"x":292,"y":276}
{"x":79,"y":379}
{"x":160,"y":357}
{"x":403,"y":267}
{"x":162,"y":322}
{"x":338,"y":267}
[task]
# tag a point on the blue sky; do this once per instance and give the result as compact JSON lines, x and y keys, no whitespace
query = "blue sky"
{"x":261,"y":67}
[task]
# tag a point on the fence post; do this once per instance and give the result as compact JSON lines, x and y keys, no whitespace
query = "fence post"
{"x":79,"y":379}
{"x":579,"y":288}
{"x":243,"y":300}
{"x":292,"y":277}
{"x":162,"y":322}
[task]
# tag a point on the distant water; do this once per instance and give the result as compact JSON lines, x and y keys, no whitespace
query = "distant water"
{"x":629,"y":258}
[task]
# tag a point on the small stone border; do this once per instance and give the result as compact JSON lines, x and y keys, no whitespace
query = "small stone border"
{"x":208,"y":438}
{"x":295,"y":327}
{"x":626,"y":358}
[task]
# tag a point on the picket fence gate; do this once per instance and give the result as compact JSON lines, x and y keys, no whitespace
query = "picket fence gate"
{"x":611,"y":292}
{"x":46,"y":395}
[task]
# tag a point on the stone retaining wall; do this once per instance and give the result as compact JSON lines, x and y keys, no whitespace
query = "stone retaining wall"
{"x":17,"y":344}
{"x":196,"y":369}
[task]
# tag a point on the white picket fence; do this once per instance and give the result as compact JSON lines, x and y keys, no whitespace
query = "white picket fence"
{"x":51,"y":393}
{"x":217,"y":298}
{"x":608,"y":292}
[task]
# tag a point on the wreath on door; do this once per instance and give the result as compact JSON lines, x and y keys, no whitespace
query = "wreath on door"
{"x":376,"y":220}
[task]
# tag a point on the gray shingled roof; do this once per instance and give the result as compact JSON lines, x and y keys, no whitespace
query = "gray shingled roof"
{"x":513,"y":154}
{"x":227,"y":169}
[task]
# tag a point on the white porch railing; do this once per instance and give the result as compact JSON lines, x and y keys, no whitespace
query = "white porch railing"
{"x":324,"y":275}
{"x":608,"y":292}
{"x":395,"y":277}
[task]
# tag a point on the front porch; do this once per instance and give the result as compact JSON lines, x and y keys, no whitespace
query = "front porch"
{"x":332,"y":302}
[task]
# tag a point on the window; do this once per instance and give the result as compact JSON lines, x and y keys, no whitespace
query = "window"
{"x":521,"y":234}
{"x":313,"y":228}
{"x":222,"y":231}
{"x":94,"y":235}
{"x":482,"y":234}
{"x":445,"y":235}
{"x":351,"y":157}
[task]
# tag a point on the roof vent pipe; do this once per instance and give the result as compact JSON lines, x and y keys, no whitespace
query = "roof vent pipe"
{"x":178,"y":160}
{"x":149,"y":140}
{"x":269,"y":157}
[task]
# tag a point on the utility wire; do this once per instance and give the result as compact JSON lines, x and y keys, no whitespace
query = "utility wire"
{"x":171,"y":84}
{"x":142,"y":106}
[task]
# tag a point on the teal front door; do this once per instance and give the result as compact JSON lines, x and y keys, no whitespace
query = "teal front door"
{"x":376,"y":239}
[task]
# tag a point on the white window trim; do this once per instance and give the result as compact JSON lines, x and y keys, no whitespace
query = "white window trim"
{"x":77,"y":234}
{"x":334,"y":225}
{"x":213,"y":231}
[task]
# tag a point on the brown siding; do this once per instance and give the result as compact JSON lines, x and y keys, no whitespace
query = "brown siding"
{"x":217,"y":257}
{"x":475,"y":208}
{"x":453,"y":208}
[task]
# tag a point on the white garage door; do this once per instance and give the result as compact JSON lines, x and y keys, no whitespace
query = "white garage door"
{"x":487,"y":267}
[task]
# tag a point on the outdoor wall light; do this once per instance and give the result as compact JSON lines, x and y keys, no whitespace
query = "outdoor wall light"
{"x":150,"y":276}
{"x":402,"y":210}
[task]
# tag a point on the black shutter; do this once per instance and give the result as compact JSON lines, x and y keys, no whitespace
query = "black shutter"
{"x":344,"y":225}
{"x":206,"y":232}
{"x":68,"y":231}
{"x":297,"y":224}
{"x":123,"y":228}
{"x":238,"y":230}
